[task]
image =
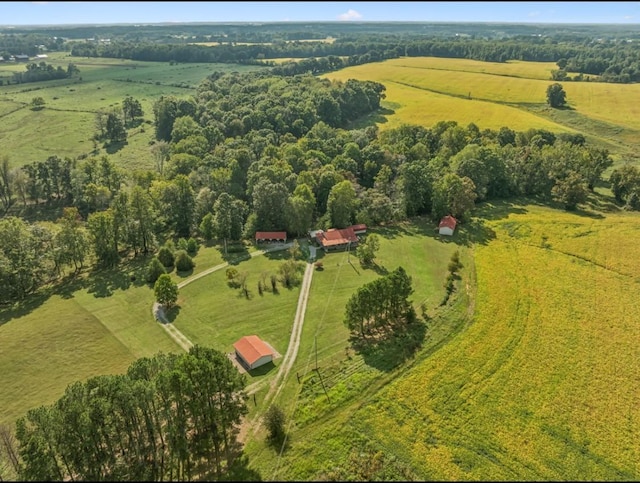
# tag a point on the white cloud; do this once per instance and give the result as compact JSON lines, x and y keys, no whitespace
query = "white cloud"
{"x":350,"y":15}
{"x":534,"y":14}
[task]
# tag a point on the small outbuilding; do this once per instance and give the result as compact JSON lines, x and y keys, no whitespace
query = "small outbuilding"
{"x":271,"y":236}
{"x":447,"y":225}
{"x":253,"y":352}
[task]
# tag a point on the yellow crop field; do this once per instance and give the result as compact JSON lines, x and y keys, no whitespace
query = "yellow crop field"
{"x":518,"y":84}
{"x":545,"y":382}
{"x":515,"y":68}
{"x":415,"y":105}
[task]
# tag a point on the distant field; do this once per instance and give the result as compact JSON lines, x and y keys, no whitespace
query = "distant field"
{"x":425,"y":90}
{"x":35,"y":135}
{"x":419,"y":96}
{"x":328,"y":40}
{"x":512,"y":68}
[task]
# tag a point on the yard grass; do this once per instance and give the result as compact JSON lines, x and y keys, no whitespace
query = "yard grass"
{"x":216,"y":315}
{"x":346,"y":375}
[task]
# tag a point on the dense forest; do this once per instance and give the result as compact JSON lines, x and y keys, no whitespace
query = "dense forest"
{"x":258,"y":151}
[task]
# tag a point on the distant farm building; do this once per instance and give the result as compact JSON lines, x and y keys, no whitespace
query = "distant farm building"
{"x":338,"y":239}
{"x":253,"y":352}
{"x":21,"y":58}
{"x":447,"y":225}
{"x":271,"y":236}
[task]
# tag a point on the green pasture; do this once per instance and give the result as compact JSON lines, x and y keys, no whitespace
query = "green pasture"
{"x":93,"y":324}
{"x":511,"y":68}
{"x":66,"y":124}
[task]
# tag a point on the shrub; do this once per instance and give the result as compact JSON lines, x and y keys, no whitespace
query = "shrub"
{"x":274,"y":421}
{"x":192,"y":246}
{"x":154,"y":270}
{"x":182,"y":244}
{"x":165,"y":255}
{"x":184,"y":262}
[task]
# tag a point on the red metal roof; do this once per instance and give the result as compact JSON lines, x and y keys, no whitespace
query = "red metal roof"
{"x":271,"y":235}
{"x":252,"y":348}
{"x":336,"y":236}
{"x":449,"y":222}
{"x":360,"y":227}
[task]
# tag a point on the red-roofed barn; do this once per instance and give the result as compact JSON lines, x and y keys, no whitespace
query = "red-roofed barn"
{"x":271,"y":236}
{"x":447,"y":225}
{"x":253,"y":352}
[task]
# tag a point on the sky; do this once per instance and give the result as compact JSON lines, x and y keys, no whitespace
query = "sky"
{"x":67,"y":13}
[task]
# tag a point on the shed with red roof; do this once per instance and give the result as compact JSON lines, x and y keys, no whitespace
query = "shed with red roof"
{"x":253,"y":352}
{"x":447,"y":225}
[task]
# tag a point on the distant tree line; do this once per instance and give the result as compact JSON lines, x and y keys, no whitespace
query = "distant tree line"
{"x":613,"y":61}
{"x":255,"y":152}
{"x":44,"y":72}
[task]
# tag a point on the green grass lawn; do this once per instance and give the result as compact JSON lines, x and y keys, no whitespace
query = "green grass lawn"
{"x":212,"y":313}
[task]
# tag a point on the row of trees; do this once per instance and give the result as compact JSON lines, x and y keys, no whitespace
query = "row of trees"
{"x":44,"y":72}
{"x":170,"y":417}
{"x":380,"y":309}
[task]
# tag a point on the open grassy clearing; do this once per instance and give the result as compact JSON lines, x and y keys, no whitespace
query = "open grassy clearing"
{"x":213,"y":314}
{"x":35,"y":135}
{"x":94,"y":326}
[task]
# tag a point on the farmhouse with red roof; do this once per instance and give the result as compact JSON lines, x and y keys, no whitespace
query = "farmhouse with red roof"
{"x":339,"y":238}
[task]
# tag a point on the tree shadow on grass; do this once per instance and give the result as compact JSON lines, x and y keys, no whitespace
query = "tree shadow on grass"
{"x":104,"y":282}
{"x":172,"y":313}
{"x":114,"y":147}
{"x":184,"y":274}
{"x":239,"y":471}
{"x":389,"y":353}
{"x":235,"y":253}
{"x":24,"y":307}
